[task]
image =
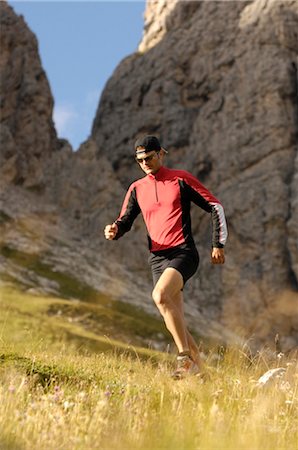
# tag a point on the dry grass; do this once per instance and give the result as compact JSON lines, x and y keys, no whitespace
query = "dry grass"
{"x":55,"y":396}
{"x":111,"y":401}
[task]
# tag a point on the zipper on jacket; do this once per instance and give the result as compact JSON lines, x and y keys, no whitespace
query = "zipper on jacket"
{"x":156,"y":194}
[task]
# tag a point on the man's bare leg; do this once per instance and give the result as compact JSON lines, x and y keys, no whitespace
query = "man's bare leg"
{"x":194,"y":349}
{"x":168,"y":297}
{"x":165,"y":295}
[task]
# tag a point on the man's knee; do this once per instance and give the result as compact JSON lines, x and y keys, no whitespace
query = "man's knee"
{"x":160,"y":297}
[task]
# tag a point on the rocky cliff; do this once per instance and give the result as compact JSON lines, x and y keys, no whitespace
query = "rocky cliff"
{"x":27,"y":131}
{"x":217,"y":82}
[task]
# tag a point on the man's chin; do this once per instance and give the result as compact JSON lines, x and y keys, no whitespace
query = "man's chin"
{"x":148,"y":170}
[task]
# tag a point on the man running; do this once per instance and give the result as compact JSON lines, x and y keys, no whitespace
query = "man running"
{"x":164,"y":197}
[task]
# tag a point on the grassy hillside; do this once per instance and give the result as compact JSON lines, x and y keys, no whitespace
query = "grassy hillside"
{"x":64,"y":385}
{"x":99,"y":325}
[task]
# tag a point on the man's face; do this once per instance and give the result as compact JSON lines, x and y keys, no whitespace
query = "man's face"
{"x":149,"y":162}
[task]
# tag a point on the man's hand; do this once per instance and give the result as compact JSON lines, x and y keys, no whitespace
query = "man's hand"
{"x":217,"y":256}
{"x":110,"y":231}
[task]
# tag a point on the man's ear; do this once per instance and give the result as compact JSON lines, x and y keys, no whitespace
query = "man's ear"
{"x":161,"y":154}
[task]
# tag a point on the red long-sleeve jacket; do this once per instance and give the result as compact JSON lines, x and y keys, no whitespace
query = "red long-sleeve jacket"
{"x":164,"y":200}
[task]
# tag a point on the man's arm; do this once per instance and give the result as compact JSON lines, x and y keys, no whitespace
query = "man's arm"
{"x":129,"y":211}
{"x":200,"y":195}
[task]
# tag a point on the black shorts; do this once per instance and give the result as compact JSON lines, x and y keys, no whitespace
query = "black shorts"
{"x":184,"y":258}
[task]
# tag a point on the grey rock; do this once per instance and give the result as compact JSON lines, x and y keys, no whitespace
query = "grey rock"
{"x":27,"y":133}
{"x":271,"y":375}
{"x":222,"y":96}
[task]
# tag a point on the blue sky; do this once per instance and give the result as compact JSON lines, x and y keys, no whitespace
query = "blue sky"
{"x":81,"y":44}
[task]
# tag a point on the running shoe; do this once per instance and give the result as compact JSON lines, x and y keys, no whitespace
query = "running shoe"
{"x":185,"y":367}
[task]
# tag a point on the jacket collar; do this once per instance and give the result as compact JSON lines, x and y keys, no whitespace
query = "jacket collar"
{"x":158,"y":175}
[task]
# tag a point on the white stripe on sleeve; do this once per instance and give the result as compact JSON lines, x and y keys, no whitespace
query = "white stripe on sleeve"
{"x":223,"y":229}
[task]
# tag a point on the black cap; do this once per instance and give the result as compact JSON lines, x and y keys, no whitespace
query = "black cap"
{"x":149,"y":144}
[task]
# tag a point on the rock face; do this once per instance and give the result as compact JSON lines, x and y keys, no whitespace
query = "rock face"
{"x":217,"y":82}
{"x":27,"y":134}
{"x":155,"y":26}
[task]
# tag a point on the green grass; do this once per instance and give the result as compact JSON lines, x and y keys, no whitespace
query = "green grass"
{"x":103,"y":325}
{"x":94,"y":310}
{"x":65,"y":386}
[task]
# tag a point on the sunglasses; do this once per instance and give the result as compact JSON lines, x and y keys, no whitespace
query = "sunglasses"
{"x":147,"y":159}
